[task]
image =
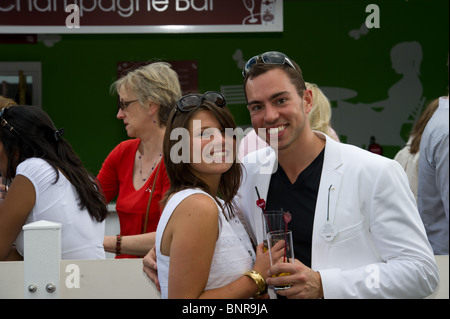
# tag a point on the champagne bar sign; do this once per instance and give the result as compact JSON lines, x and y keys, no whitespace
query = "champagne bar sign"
{"x":140,"y":16}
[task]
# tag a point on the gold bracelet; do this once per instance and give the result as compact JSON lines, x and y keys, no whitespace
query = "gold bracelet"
{"x":259,"y":280}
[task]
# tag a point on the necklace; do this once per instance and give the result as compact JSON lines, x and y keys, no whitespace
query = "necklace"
{"x":153,"y":167}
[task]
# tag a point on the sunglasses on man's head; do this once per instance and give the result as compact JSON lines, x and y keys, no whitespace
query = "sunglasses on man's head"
{"x":191,"y":101}
{"x":271,"y":57}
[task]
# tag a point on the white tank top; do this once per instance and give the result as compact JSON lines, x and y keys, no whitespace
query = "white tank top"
{"x":233,"y":254}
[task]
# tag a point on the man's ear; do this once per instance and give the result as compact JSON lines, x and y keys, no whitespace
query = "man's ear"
{"x":307,"y":101}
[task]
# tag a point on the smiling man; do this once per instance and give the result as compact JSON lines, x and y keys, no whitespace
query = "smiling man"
{"x":357,"y":232}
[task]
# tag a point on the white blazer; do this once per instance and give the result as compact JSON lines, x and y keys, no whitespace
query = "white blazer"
{"x":380,"y":249}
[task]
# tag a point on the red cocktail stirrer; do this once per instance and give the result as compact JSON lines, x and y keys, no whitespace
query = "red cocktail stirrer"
{"x":287,"y":218}
{"x":261,"y":203}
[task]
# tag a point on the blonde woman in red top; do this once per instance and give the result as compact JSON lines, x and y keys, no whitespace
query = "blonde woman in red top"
{"x":134,"y":171}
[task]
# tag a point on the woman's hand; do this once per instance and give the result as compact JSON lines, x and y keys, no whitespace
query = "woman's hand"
{"x":149,"y":262}
{"x":262,"y":262}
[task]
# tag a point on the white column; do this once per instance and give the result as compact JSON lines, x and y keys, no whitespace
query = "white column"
{"x":42,"y":255}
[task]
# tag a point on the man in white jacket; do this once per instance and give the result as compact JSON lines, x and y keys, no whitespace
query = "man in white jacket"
{"x":357,"y":232}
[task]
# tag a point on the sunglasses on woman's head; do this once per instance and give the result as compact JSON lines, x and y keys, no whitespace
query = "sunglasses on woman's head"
{"x":191,"y":101}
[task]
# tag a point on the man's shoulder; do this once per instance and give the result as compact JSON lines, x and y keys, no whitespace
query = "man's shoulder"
{"x":355,"y":157}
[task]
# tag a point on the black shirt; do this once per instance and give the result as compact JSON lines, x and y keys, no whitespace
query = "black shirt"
{"x":300,"y":200}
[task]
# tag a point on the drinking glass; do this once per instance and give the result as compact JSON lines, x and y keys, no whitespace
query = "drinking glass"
{"x":274,"y":237}
{"x":272,"y":220}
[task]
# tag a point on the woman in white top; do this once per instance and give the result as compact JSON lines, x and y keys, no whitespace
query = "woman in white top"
{"x":47,"y":182}
{"x":202,"y":248}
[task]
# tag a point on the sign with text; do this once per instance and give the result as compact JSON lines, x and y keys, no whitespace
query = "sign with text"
{"x":140,"y":16}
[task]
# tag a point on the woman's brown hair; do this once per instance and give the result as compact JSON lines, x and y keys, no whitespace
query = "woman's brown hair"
{"x":419,"y":126}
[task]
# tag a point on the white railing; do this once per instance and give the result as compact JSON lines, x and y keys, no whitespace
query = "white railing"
{"x":44,"y":275}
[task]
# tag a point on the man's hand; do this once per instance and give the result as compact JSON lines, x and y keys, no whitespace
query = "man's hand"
{"x":307,"y":282}
{"x":149,"y":262}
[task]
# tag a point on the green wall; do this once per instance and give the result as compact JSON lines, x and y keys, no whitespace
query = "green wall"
{"x":78,"y":71}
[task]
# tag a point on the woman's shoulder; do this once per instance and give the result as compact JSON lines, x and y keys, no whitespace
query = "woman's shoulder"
{"x":124,"y":151}
{"x":38,"y":171}
{"x":192,"y":202}
{"x":191,"y":209}
{"x":192,"y":196}
{"x":125,"y":146}
{"x":33,"y":163}
{"x":128,"y":144}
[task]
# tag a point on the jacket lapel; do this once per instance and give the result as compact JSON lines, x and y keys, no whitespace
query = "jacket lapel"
{"x":329,"y":188}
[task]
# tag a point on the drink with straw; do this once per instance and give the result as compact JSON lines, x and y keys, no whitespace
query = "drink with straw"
{"x":272,"y":220}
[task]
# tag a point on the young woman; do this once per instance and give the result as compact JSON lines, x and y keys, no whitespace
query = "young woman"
{"x":47,"y":182}
{"x":202,"y":249}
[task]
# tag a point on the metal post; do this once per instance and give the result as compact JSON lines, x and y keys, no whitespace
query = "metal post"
{"x":42,"y":256}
